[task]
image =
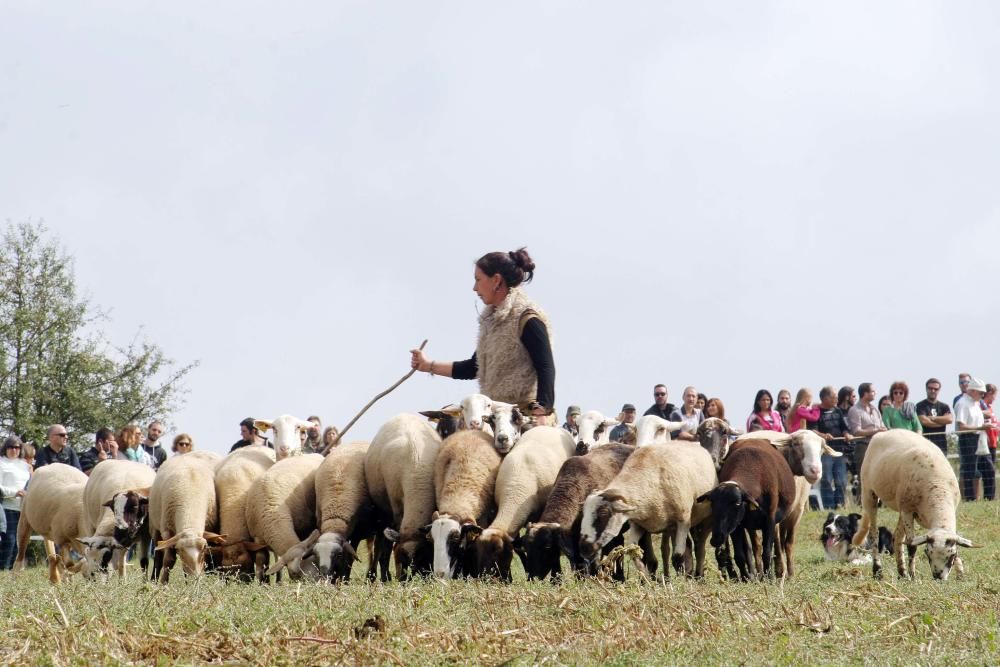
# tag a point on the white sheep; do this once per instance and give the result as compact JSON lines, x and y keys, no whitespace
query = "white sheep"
{"x":464,"y":480}
{"x":399,"y":471}
{"x":281,"y":511}
{"x":909,"y":474}
{"x":472,"y":412}
{"x":593,"y":430}
{"x":653,"y":430}
{"x":524,"y":481}
{"x":657,"y":489}
{"x":287,"y":428}
{"x":183,"y":513}
{"x":115,"y":508}
{"x":233,"y":478}
{"x":53,"y":507}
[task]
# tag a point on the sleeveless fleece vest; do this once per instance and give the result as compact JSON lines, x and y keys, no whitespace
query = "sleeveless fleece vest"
{"x":505,"y":370}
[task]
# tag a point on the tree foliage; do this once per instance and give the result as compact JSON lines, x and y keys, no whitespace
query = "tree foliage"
{"x":56,"y":365}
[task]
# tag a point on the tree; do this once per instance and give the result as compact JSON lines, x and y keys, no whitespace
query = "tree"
{"x":56,"y":365}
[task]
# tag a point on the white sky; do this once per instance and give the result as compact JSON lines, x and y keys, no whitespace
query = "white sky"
{"x":731,"y":195}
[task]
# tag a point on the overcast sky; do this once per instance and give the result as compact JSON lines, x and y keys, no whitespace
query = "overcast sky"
{"x":731,"y":195}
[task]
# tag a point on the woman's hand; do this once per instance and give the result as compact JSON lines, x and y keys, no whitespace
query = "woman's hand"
{"x":418,"y":361}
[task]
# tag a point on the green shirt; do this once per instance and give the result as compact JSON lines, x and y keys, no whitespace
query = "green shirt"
{"x":893,"y":418}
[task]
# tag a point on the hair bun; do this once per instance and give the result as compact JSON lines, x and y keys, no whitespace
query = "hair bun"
{"x":523,"y":261}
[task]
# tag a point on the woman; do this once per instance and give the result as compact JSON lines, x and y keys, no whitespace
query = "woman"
{"x":28,"y":452}
{"x":14,"y":475}
{"x":715,"y":408}
{"x":701,"y":402}
{"x":763,"y":418}
{"x":183,"y":443}
{"x":992,"y":420}
{"x":330,"y":437}
{"x":883,"y":403}
{"x":130,"y":442}
{"x":800,"y":414}
{"x":513,"y":357}
{"x":900,"y":413}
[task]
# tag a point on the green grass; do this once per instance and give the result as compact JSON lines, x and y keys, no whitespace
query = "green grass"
{"x":830,"y":613}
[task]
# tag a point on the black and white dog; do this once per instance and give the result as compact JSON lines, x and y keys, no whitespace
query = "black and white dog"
{"x":839,"y":530}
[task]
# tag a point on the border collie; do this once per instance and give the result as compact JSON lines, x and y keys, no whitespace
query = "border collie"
{"x":839,"y":530}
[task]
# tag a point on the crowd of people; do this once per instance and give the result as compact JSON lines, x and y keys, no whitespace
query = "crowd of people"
{"x":847,"y":419}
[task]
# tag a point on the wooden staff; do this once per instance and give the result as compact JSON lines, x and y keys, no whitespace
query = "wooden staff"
{"x":326,"y":450}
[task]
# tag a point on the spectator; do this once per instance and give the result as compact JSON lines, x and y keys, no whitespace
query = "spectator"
{"x":58,"y":449}
{"x":130,"y":444}
{"x":715,"y":408}
{"x":314,"y":436}
{"x":626,"y":418}
{"x":800,"y":413}
{"x":832,"y":426}
{"x":660,"y":407}
{"x":900,"y":413}
{"x":864,"y":421}
{"x":330,"y":434}
{"x":934,"y":415}
{"x":784,"y":404}
{"x":28,"y":451}
{"x":702,"y":400}
{"x":249,"y":435}
{"x":572,"y":424}
{"x":183,"y":443}
{"x":151,"y":446}
{"x":105,"y":447}
{"x":963,"y":382}
{"x":689,"y":414}
{"x":14,"y":475}
{"x":846,"y":398}
{"x":883,"y":403}
{"x":973,"y":443}
{"x":763,"y":418}
{"x":991,"y":419}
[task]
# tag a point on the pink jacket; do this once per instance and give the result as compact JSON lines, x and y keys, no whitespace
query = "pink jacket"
{"x":800,"y":415}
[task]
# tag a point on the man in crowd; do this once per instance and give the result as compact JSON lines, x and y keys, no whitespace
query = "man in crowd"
{"x":973,"y":448}
{"x":249,"y":435}
{"x":963,"y":383}
{"x":313,"y":443}
{"x":934,"y":415}
{"x":627,"y":417}
{"x":150,"y":446}
{"x":660,"y":408}
{"x":689,"y":414}
{"x":105,"y":447}
{"x":864,"y":421}
{"x":784,"y":404}
{"x":832,"y":425}
{"x":58,"y":449}
{"x":572,"y":424}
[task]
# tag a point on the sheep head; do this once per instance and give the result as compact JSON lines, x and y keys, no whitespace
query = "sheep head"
{"x":729,"y":506}
{"x":287,"y":430}
{"x":506,"y":421}
{"x":713,"y":434}
{"x":941,"y":548}
{"x":494,"y":551}
{"x":98,"y":553}
{"x":593,"y":429}
{"x":451,"y":539}
{"x":191,"y":547}
{"x":541,"y":547}
{"x":653,"y":430}
{"x":604,"y":516}
{"x":334,"y":555}
{"x":412,"y":552}
{"x":299,"y":559}
{"x":130,"y":509}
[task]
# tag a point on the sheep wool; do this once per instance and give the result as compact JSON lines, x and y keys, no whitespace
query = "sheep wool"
{"x":505,"y":369}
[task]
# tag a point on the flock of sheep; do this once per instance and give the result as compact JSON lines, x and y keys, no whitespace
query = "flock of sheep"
{"x":463,"y":495}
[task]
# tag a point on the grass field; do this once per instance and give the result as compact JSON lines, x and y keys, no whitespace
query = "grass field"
{"x":830,"y":613}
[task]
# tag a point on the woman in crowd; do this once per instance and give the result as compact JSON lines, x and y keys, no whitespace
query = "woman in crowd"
{"x":14,"y":475}
{"x":763,"y":418}
{"x":802,"y":411}
{"x":992,"y":420}
{"x":130,"y":444}
{"x":701,"y":402}
{"x":28,"y":452}
{"x":883,"y":402}
{"x":715,"y":408}
{"x":183,"y":443}
{"x":900,"y":413}
{"x":513,"y":358}
{"x":330,"y":437}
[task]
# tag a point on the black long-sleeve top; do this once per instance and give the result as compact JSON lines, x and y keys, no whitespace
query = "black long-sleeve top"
{"x":535,"y":338}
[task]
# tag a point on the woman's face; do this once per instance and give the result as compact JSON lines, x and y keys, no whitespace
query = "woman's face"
{"x":12,"y":453}
{"x":712,"y":410}
{"x":764,"y":404}
{"x":486,"y":286}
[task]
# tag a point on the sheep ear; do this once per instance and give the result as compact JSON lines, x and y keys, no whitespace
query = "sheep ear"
{"x":452,"y":410}
{"x":166,"y":544}
{"x":425,"y":531}
{"x":349,"y":550}
{"x":471,"y":532}
{"x":610,"y":423}
{"x":262,"y":425}
{"x":277,"y":567}
{"x":391,"y":535}
{"x":619,"y":505}
{"x":751,"y":503}
{"x":704,"y":497}
{"x":966,"y":542}
{"x":89,"y":541}
{"x":213,"y":538}
{"x":830,"y":451}
{"x":433,"y":415}
{"x":917,"y":541}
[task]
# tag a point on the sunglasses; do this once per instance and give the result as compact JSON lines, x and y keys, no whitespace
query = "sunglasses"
{"x":183,"y":444}
{"x":898,"y":391}
{"x":61,"y":435}
{"x":659,"y":393}
{"x":14,"y":447}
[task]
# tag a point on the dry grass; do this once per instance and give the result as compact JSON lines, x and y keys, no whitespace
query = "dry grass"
{"x":829,"y":614}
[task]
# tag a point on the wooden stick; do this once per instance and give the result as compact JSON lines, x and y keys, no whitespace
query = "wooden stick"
{"x":401,"y":380}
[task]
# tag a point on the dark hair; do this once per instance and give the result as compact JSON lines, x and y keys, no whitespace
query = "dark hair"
{"x":12,"y":442}
{"x":514,"y":267}
{"x":935,"y":380}
{"x":248,"y":422}
{"x":844,"y":394}
{"x":103,"y":434}
{"x":761,"y":394}
{"x":703,"y":397}
{"x":990,"y":387}
{"x":884,"y":399}
{"x":864,"y":388}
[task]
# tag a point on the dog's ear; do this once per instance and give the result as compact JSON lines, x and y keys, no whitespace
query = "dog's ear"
{"x":854,"y":516}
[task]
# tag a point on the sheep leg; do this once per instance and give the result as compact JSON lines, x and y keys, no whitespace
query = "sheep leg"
{"x":169,"y":556}
{"x":724,"y":559}
{"x":869,"y":530}
{"x":54,"y":562}
{"x":700,"y":536}
{"x":157,"y":564}
{"x":680,"y":546}
{"x":23,"y":537}
{"x":742,"y":552}
{"x":648,"y":555}
{"x":906,"y":523}
{"x":767,"y":545}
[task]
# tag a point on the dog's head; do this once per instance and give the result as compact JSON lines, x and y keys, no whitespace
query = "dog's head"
{"x":838,"y":531}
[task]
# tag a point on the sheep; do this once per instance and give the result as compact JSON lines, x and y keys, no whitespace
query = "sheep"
{"x":653,"y":430}
{"x":557,"y":530}
{"x":287,"y":441}
{"x":714,"y":434}
{"x":183,"y":513}
{"x":234,"y":477}
{"x":53,"y":507}
{"x":281,"y":511}
{"x":399,"y":472}
{"x":115,"y":508}
{"x":593,"y":430}
{"x":465,"y":475}
{"x":507,"y":422}
{"x":657,"y":488}
{"x":911,"y":475}
{"x":470,"y":413}
{"x":344,"y":513}
{"x":757,"y":478}
{"x":524,"y":481}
